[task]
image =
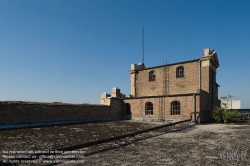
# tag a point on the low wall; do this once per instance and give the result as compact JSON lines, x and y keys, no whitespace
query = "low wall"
{"x":47,"y":113}
{"x":241,"y":110}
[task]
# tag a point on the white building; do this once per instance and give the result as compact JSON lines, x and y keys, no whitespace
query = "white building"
{"x":232,"y":104}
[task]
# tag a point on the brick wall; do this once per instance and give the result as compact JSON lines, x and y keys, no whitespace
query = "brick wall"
{"x":188,"y":84}
{"x":33,"y":112}
{"x":209,"y":92}
{"x":199,"y":76}
{"x":163,"y":111}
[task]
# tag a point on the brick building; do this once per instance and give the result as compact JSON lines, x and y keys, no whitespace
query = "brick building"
{"x":172,"y":91}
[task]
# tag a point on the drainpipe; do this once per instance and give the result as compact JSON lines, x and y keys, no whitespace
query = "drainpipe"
{"x":135,"y":84}
{"x":195,"y":107}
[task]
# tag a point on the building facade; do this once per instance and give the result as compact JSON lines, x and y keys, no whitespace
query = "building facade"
{"x":172,"y":92}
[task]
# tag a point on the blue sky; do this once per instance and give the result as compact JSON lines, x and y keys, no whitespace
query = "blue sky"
{"x":74,"y":50}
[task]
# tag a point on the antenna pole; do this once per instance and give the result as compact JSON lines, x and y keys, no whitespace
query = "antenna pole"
{"x":143,"y":44}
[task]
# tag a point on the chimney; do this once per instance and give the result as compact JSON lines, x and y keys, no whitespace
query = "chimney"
{"x":208,"y":51}
{"x":115,"y":92}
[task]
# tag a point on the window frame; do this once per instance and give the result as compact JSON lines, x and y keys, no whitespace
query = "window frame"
{"x":175,"y":108}
{"x":151,"y":75}
{"x":149,"y":108}
{"x":180,"y":72}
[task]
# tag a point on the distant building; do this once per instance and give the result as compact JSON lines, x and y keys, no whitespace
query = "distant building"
{"x":233,"y":104}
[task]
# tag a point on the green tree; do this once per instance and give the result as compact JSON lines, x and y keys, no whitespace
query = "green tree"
{"x":223,"y":114}
{"x":217,"y":114}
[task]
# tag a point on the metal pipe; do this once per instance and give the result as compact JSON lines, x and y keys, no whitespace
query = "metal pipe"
{"x":200,"y":74}
{"x":195,"y":107}
{"x":142,"y":44}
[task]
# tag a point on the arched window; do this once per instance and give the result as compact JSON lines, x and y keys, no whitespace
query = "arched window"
{"x":175,"y":108}
{"x":152,"y":76}
{"x":179,"y":72}
{"x":148,"y":108}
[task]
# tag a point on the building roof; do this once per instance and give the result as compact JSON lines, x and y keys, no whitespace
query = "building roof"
{"x":171,"y":64}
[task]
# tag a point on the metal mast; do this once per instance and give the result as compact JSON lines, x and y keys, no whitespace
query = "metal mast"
{"x":142,"y":43}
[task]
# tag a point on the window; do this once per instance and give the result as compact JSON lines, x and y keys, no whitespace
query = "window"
{"x":179,"y":72}
{"x":148,"y":108}
{"x":151,"y":76}
{"x":175,"y":108}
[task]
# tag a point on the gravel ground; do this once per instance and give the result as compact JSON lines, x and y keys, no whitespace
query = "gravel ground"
{"x":198,"y":145}
{"x":54,"y":137}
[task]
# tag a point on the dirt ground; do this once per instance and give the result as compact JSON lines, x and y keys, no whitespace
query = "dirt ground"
{"x":210,"y":144}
